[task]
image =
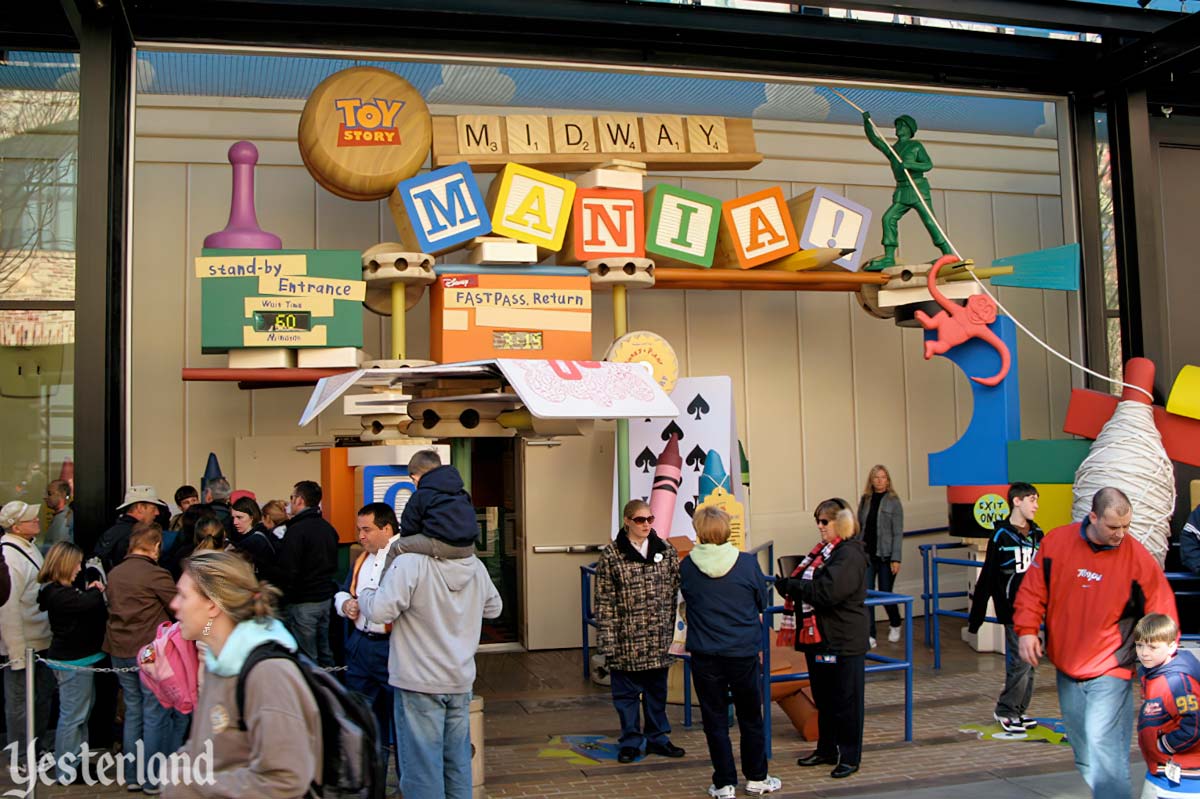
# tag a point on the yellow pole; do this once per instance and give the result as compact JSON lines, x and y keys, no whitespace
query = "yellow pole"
{"x":399,"y":300}
{"x":620,"y":328}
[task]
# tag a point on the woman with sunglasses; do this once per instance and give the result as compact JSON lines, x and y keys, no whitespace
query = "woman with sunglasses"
{"x":827,"y":592}
{"x":637,"y":579}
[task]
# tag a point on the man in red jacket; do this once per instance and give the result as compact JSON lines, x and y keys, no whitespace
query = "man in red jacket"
{"x":1090,"y":583}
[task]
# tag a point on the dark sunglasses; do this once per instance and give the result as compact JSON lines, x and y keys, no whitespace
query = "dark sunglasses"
{"x":642,"y":519}
{"x":823,"y":522}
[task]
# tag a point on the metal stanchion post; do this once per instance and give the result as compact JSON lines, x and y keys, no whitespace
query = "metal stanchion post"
{"x":30,"y":718}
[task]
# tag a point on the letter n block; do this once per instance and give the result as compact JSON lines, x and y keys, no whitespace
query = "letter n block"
{"x":531,"y":206}
{"x":681,"y":226}
{"x":440,"y":210}
{"x":757,"y":228}
{"x":605,"y":223}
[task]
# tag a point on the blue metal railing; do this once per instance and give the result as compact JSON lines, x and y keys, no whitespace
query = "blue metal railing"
{"x":885,"y":663}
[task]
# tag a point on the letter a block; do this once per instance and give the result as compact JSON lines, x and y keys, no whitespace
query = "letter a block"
{"x":757,"y":228}
{"x":681,"y":226}
{"x":439,"y":211}
{"x":605,"y":223}
{"x":531,"y":206}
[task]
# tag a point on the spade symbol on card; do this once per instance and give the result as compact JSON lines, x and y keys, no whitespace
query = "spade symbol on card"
{"x":698,"y":407}
{"x":672,"y":430}
{"x":696,"y":457}
{"x":690,"y":507}
{"x":645,"y":460}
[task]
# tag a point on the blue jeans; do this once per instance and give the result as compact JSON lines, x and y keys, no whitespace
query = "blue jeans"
{"x":14,"y":705}
{"x":367,"y":675}
{"x":1098,"y":714}
{"x":76,"y":693}
{"x":309,"y":623}
{"x":146,"y":720}
{"x":650,"y":687}
{"x":433,"y":732}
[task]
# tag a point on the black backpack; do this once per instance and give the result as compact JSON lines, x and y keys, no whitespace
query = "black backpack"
{"x":350,"y":763}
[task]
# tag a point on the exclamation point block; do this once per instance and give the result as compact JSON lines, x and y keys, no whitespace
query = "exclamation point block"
{"x":757,"y":228}
{"x":824,"y":219}
{"x":605,"y":223}
{"x":681,"y":226}
{"x":531,"y":206}
{"x":440,"y":210}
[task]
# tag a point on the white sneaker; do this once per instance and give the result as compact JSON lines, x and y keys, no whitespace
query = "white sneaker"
{"x":767,"y":784}
{"x":1009,"y":724}
{"x":724,"y":792}
{"x":873,"y":643}
{"x":894,"y":635}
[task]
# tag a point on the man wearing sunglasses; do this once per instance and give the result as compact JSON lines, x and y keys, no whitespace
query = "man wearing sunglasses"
{"x":637,"y":579}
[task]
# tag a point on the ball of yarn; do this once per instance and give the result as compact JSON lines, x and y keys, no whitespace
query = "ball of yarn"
{"x":1129,"y":455}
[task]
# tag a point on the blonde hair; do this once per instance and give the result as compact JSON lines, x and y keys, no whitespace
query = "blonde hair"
{"x":276,"y":512}
{"x":632,"y":507}
{"x":868,"y":489}
{"x":845,"y":525}
{"x":60,"y":563}
{"x":1156,"y":628}
{"x":229,"y":581}
{"x":711,"y":525}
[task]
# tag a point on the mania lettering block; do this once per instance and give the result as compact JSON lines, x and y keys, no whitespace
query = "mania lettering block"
{"x":756,"y":228}
{"x":440,"y":210}
{"x":681,"y":226}
{"x":825,"y":219}
{"x":531,"y":206}
{"x":605,"y":223}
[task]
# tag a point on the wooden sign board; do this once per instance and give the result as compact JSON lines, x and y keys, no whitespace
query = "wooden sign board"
{"x":578,"y":142}
{"x":280,"y":298}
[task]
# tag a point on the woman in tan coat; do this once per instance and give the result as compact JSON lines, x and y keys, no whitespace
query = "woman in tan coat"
{"x":278,"y":755}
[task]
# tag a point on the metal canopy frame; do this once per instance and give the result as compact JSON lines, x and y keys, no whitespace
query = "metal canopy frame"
{"x":1145,"y":55}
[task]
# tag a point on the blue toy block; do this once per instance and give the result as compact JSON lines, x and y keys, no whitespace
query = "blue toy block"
{"x":1053,"y":268}
{"x":980,"y":457}
{"x":390,"y":485}
{"x":440,"y":210}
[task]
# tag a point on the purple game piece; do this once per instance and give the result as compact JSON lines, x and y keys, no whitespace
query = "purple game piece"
{"x":243,"y":231}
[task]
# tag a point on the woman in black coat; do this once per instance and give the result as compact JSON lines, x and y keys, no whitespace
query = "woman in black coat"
{"x":829,"y":590}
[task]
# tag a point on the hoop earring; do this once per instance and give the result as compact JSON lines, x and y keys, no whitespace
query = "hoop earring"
{"x":207,"y":628}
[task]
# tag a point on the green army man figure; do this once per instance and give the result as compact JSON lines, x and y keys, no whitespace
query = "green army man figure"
{"x":904,"y":198}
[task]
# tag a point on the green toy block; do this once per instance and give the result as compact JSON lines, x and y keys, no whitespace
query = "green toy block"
{"x":280,"y":298}
{"x":1046,"y":461}
{"x":681,"y":226}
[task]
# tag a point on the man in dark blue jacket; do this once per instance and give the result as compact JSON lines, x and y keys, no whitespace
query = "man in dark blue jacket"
{"x":308,"y":562}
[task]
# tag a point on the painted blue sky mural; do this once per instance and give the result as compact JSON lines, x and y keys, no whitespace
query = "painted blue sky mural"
{"x":293,"y":77}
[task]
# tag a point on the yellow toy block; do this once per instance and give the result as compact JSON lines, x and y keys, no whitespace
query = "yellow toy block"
{"x":1054,"y":505}
{"x":1185,"y":394}
{"x":531,"y":206}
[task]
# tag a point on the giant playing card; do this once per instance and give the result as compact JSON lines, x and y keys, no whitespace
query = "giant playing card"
{"x":705,"y":422}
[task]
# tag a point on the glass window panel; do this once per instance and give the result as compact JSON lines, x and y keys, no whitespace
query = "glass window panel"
{"x":1116,"y":366}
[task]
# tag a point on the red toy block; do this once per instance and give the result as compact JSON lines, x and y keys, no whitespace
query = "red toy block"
{"x":605,"y":223}
{"x":967,"y":495}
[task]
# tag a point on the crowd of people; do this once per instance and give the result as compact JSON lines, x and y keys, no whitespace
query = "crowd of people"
{"x":223,"y":578}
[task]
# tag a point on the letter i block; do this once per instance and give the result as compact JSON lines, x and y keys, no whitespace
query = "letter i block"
{"x":531,"y":206}
{"x":681,"y":226}
{"x":440,"y":210}
{"x":605,"y":223}
{"x":757,"y":228}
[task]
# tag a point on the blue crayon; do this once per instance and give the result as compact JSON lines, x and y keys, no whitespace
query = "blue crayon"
{"x":714,"y":475}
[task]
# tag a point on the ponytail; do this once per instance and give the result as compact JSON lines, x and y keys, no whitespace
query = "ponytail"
{"x":228,"y":580}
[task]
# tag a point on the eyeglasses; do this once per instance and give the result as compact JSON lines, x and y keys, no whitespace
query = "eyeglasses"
{"x":823,"y":522}
{"x":642,"y":519}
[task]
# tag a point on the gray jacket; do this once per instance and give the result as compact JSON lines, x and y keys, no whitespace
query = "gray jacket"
{"x":889,"y":526}
{"x":436,"y":609}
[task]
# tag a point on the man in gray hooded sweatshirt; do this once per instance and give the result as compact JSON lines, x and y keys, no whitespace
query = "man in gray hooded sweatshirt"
{"x":436,"y":608}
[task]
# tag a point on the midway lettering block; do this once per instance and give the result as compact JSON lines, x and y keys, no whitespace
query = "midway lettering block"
{"x":605,"y":223}
{"x":825,"y":219}
{"x":757,"y":228}
{"x":531,"y":206}
{"x":440,"y":210}
{"x":681,"y":226}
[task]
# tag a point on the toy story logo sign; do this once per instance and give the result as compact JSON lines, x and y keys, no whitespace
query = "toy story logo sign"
{"x":368,"y":122}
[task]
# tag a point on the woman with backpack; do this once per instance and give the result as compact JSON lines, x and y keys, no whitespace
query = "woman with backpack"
{"x":77,"y":617}
{"x":270,"y":747}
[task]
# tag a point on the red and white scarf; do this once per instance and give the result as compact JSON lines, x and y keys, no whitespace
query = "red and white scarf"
{"x":809,"y":633}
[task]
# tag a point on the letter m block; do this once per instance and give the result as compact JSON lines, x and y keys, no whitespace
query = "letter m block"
{"x":605,"y":223}
{"x":440,"y":210}
{"x":681,"y":226}
{"x":531,"y":206}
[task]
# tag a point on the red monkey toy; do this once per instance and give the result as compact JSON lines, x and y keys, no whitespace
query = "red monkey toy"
{"x":957,"y":324}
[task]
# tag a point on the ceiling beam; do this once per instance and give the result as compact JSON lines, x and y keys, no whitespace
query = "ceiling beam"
{"x":1163,"y":57}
